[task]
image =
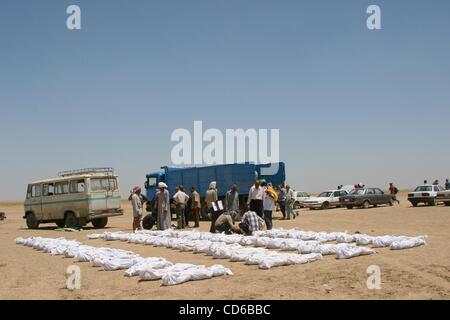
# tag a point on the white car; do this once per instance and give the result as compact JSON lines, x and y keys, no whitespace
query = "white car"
{"x":424,"y":194}
{"x":300,"y":198}
{"x":443,"y":196}
{"x":325,"y":200}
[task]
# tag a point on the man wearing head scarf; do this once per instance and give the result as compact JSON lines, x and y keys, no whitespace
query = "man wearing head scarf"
{"x":162,"y":204}
{"x":210,"y":197}
{"x":136,"y":204}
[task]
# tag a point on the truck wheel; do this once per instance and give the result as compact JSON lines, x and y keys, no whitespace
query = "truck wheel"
{"x":148,"y":222}
{"x":100,"y":223}
{"x":297,"y":205}
{"x":349,"y":207}
{"x":32,"y":222}
{"x":414,"y":203}
{"x":432,"y":202}
{"x":60,"y":223}
{"x":325,"y":205}
{"x":366,"y":204}
{"x":447,"y":204}
{"x":71,"y":221}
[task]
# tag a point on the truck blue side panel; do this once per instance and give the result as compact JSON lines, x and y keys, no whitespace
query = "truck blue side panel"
{"x":225,"y":175}
{"x":243,"y":174}
{"x":205,"y":176}
{"x":186,"y":177}
{"x":275,"y":179}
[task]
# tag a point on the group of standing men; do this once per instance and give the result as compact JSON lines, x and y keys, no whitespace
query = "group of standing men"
{"x":162,"y":207}
{"x":262,"y":201}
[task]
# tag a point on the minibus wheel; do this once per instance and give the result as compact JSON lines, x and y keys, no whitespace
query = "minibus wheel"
{"x":60,"y":223}
{"x":71,"y":220}
{"x":100,"y":223}
{"x":32,"y":222}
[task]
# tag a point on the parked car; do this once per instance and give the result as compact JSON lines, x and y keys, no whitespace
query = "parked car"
{"x":366,"y":197}
{"x":325,"y":200}
{"x":74,"y":199}
{"x":443,"y":196}
{"x":424,"y":194}
{"x":300,"y":197}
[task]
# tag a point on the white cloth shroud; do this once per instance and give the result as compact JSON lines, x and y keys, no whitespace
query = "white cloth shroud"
{"x":111,"y":259}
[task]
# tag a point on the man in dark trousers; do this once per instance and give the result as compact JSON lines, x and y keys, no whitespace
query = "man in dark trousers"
{"x":255,"y":199}
{"x":393,"y":191}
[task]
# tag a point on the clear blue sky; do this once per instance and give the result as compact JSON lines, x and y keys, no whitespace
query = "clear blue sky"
{"x":352,"y":104}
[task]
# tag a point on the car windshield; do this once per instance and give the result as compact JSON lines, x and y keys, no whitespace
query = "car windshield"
{"x":357,"y":191}
{"x":325,"y":194}
{"x":423,"y":188}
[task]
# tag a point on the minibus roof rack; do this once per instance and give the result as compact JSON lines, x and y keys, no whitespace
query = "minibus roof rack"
{"x":108,"y":171}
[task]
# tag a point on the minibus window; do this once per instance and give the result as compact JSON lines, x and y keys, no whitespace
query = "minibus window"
{"x":112,"y":184}
{"x":35,"y":191}
{"x":77,"y":186}
{"x":96,"y":185}
{"x":49,"y":189}
{"x":62,"y":187}
{"x":103,"y":184}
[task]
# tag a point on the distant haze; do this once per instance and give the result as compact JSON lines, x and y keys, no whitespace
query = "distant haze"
{"x":352,"y":105}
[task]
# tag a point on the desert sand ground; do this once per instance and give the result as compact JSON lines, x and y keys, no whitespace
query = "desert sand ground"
{"x":419,"y":273}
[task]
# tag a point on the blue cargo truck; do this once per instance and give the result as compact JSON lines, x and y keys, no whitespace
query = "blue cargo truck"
{"x":243,"y":174}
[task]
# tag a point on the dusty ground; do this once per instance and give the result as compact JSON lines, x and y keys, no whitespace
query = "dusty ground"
{"x":419,"y":273}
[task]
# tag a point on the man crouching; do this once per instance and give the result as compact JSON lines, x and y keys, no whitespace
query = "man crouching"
{"x":225,"y":223}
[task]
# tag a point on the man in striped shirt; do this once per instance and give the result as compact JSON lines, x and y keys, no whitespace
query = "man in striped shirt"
{"x":251,"y":222}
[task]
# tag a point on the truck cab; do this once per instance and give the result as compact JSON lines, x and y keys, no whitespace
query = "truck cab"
{"x":151,"y":186}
